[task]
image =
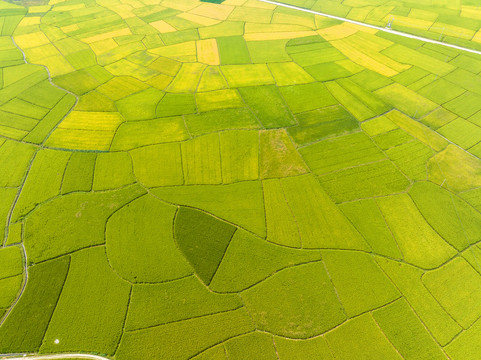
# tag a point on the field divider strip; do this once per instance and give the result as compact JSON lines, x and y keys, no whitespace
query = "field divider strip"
{"x":388,"y":30}
{"x":51,"y":357}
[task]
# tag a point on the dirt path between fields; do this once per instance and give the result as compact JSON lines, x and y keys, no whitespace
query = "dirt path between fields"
{"x":388,"y":30}
{"x":52,"y":357}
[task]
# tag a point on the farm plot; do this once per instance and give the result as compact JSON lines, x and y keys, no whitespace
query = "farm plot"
{"x":238,"y":180}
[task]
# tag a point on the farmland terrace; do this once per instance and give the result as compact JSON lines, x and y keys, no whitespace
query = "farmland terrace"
{"x":191,"y":180}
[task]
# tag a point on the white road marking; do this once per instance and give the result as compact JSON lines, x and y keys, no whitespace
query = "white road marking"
{"x":420,"y":38}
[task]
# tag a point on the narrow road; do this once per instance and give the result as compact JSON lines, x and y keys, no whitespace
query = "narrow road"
{"x":374,"y":27}
{"x":51,"y":357}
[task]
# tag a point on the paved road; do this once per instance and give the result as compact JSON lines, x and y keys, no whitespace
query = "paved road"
{"x":53,"y":357}
{"x":374,"y":27}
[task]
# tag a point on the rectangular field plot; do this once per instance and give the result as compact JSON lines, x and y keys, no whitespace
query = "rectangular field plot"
{"x":268,"y":51}
{"x":158,"y":165}
{"x":216,"y":329}
{"x":289,"y":73}
{"x":240,"y":155}
{"x":356,"y":107}
{"x":406,"y":100}
{"x":340,"y":152}
{"x":173,"y":104}
{"x":106,"y":302}
{"x":376,"y":179}
{"x":378,"y":126}
{"x":441,"y":91}
{"x":79,"y":172}
{"x":225,"y":119}
{"x":218,"y":99}
{"x":44,"y":287}
{"x":278,"y":156}
{"x":365,"y":96}
{"x":130,"y":135}
{"x":405,"y":331}
{"x":411,"y":158}
{"x":418,"y":130}
{"x":375,"y":231}
{"x":233,"y":50}
{"x":461,"y":132}
{"x":465,"y":105}
{"x":409,"y":56}
{"x":406,"y":224}
{"x":307,"y":97}
{"x":268,"y":106}
{"x":201,"y":160}
{"x":247,"y":75}
{"x":466,"y":80}
{"x":318,"y":124}
{"x":408,"y":280}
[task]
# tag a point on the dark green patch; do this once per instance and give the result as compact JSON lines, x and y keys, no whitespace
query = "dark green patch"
{"x":319,"y":124}
{"x":267,"y":104}
{"x":203,"y":240}
{"x":25,"y":327}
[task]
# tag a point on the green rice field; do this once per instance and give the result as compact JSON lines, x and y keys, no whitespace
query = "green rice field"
{"x":239,"y":180}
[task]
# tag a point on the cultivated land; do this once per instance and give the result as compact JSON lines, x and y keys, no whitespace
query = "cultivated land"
{"x":190,"y":180}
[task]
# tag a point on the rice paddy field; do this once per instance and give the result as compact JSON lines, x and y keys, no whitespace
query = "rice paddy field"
{"x":239,"y":180}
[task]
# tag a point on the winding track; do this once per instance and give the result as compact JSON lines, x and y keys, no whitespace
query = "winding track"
{"x":420,"y":38}
{"x":379,"y":28}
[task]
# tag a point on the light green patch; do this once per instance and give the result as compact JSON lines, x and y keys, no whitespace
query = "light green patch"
{"x":247,"y":75}
{"x":101,"y":301}
{"x":267,"y":105}
{"x":406,"y":224}
{"x":411,"y":158}
{"x":361,"y":339}
{"x":153,"y":257}
{"x":307,"y":97}
{"x":359,"y":282}
{"x":249,"y":260}
{"x":375,"y":231}
{"x":457,"y":287}
{"x":406,"y":332}
{"x":112,"y":171}
{"x":158,"y":165}
{"x":340,"y":152}
{"x":218,"y":99}
{"x":309,"y":307}
{"x":290,"y":349}
{"x":43,"y":181}
{"x":176,"y":104}
{"x":140,"y":106}
{"x":155,"y":304}
{"x":456,"y":169}
{"x":239,"y":203}
{"x":278,"y":156}
{"x":406,"y":100}
{"x":132,"y":135}
{"x":240,"y":155}
{"x":255,"y":346}
{"x":201,"y":160}
{"x":375,"y":179}
{"x":455,"y":220}
{"x":65,"y":215}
